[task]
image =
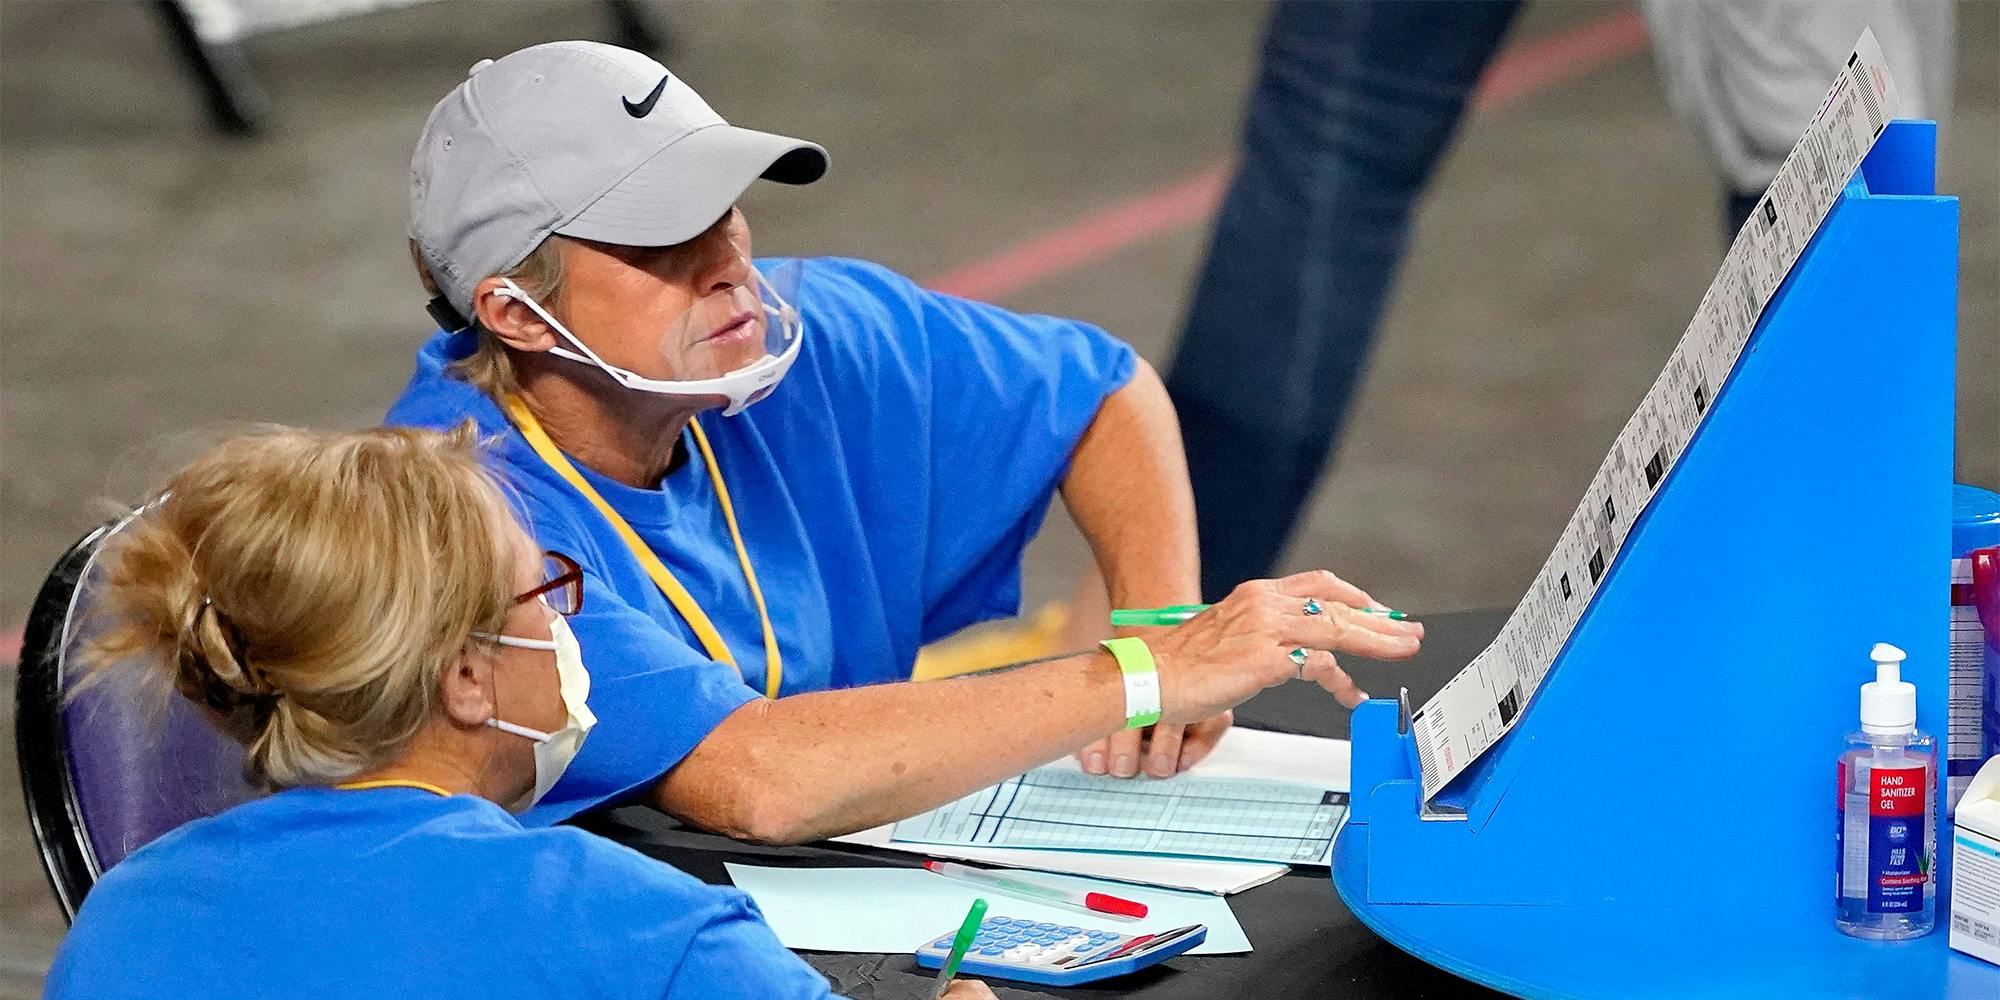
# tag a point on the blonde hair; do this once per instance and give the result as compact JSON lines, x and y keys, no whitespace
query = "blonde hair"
{"x":489,"y":368}
{"x":309,"y":589}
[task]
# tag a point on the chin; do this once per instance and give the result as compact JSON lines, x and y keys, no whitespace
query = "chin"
{"x":738,"y":356}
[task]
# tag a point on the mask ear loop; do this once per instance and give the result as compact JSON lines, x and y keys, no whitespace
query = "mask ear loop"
{"x":623,"y":376}
{"x":494,"y":720}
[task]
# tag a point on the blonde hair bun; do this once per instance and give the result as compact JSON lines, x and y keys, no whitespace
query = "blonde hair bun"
{"x":308,"y":588}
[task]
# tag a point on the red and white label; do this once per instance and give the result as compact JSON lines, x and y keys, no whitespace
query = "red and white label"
{"x":1896,"y":791}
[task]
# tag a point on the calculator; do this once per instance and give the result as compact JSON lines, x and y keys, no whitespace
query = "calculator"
{"x":1058,"y":954}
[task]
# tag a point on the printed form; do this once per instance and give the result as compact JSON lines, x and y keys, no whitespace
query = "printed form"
{"x":1273,"y":797}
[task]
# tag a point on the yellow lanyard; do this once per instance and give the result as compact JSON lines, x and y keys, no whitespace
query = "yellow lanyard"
{"x":677,"y":595}
{"x":357,"y":786}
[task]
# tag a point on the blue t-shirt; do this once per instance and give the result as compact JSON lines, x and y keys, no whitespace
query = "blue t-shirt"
{"x":885,"y":493}
{"x":398,"y":892}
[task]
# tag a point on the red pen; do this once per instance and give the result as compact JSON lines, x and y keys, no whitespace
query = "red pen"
{"x":1089,"y":902}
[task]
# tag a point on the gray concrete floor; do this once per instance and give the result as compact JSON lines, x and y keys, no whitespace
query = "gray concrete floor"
{"x":157,"y":281}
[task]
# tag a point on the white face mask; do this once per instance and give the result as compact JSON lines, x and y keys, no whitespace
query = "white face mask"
{"x":554,"y":751}
{"x":784,"y":331}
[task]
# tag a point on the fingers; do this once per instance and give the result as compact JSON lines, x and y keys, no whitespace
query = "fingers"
{"x":1123,"y":753}
{"x":1346,"y":630}
{"x":968,"y":989}
{"x":1198,"y":739}
{"x":1095,"y":756}
{"x":1163,"y":750}
{"x":1325,"y":586}
{"x":1323,"y":669}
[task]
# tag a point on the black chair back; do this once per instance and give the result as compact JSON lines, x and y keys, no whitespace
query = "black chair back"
{"x":110,"y":769}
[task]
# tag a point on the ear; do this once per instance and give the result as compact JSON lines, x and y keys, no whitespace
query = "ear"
{"x":466,"y":688}
{"x":517,"y":325}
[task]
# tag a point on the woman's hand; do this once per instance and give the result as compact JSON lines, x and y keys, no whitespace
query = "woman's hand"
{"x":968,"y":989}
{"x":1219,"y":658}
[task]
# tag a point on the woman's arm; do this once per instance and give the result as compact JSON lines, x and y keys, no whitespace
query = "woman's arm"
{"x":832,"y":762}
{"x":1128,"y":490}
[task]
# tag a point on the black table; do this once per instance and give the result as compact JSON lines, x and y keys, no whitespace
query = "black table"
{"x":1307,"y":943}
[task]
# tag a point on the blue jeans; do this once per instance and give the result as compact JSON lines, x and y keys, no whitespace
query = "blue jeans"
{"x":1353,"y":107}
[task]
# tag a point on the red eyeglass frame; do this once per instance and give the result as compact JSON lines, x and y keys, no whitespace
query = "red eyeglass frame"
{"x":569,"y":580}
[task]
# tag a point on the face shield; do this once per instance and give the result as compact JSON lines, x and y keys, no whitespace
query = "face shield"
{"x":734,"y":344}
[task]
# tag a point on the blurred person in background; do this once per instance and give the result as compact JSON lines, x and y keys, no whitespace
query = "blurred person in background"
{"x":1353,"y":107}
{"x":364,"y":614}
{"x":1745,"y":76}
{"x":762,"y":577}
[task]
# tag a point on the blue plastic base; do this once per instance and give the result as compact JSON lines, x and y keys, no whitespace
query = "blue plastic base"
{"x":1660,"y":821}
{"x":1730,"y":950}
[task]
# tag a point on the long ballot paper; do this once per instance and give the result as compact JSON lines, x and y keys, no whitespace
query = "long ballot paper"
{"x":1481,"y":704}
{"x":1268,"y":797}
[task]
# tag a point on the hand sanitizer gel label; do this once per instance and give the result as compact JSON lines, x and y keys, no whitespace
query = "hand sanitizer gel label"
{"x":1898,"y":846}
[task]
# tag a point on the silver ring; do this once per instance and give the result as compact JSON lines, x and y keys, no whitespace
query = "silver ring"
{"x":1299,"y":659}
{"x":1313,"y":607}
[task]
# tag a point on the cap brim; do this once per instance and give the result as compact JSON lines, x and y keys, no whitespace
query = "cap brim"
{"x":680,"y":192}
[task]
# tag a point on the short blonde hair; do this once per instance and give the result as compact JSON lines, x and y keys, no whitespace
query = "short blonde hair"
{"x":489,"y":367}
{"x":309,"y":589}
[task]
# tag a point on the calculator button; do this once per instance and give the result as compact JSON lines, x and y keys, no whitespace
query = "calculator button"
{"x":998,"y":922}
{"x":1072,"y":930}
{"x":989,"y":950}
{"x":1045,"y":927}
{"x":1086,"y":946}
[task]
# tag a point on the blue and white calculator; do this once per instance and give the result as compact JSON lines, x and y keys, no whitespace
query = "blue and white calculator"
{"x":1058,"y":954}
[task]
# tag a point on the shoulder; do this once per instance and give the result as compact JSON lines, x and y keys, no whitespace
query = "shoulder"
{"x":613,"y":889}
{"x":858,"y":305}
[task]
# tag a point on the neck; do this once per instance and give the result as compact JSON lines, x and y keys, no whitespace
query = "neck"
{"x":459,"y":763}
{"x":626,"y":436}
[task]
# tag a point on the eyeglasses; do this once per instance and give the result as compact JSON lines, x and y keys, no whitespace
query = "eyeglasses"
{"x":562,"y":587}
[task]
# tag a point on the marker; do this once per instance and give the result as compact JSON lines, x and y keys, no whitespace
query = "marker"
{"x":966,"y":932}
{"x":1090,"y":902}
{"x":1178,"y":613}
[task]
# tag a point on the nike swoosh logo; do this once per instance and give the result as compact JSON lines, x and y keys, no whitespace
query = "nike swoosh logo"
{"x":645,"y":107}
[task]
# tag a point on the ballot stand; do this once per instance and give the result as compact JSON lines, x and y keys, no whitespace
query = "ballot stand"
{"x":1660,"y":819}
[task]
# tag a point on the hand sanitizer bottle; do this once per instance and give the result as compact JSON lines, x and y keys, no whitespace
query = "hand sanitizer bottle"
{"x":1886,"y":887}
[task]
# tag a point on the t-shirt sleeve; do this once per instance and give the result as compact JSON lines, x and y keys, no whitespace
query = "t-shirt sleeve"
{"x":734,"y":955}
{"x":655,"y":698}
{"x":989,"y":404}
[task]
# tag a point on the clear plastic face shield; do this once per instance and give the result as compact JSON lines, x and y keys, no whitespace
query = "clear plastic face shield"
{"x":735,"y":344}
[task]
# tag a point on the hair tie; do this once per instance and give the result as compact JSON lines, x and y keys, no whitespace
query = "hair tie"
{"x":254,"y":685}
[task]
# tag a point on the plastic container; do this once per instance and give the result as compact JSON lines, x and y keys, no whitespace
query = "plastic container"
{"x":1974,"y":731}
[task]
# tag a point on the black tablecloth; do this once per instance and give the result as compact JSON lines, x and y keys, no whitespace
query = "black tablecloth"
{"x":1307,"y":943}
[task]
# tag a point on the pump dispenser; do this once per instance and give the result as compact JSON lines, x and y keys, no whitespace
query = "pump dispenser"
{"x":1886,"y":834}
{"x":1888,"y":703}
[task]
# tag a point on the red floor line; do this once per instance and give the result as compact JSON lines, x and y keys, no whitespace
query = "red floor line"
{"x":1521,"y":71}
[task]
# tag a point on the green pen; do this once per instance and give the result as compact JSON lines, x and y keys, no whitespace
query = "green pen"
{"x":966,"y":932}
{"x":1177,"y":613}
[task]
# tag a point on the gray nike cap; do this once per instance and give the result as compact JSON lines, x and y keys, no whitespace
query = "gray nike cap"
{"x":582,"y":139}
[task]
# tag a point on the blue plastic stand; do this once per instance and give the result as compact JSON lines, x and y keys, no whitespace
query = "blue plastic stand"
{"x":1660,"y":822}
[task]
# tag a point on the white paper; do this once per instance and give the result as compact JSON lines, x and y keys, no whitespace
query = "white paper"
{"x":1479,"y":705}
{"x":1191,"y":874}
{"x":898,"y":910}
{"x":1263,"y":797}
{"x":1242,"y":753}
